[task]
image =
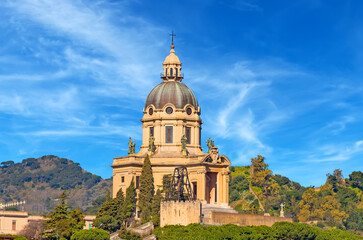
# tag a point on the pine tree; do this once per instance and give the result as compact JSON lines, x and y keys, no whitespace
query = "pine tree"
{"x":61,"y":221}
{"x":155,"y":208}
{"x":146,"y":190}
{"x":130,"y":202}
{"x":78,"y":217}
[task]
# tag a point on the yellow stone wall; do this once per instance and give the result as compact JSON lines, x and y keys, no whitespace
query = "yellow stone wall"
{"x":180,"y":213}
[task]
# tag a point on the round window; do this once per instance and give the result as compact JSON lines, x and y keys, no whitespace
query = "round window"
{"x":189,"y":111}
{"x":169,"y":110}
{"x":151,"y":111}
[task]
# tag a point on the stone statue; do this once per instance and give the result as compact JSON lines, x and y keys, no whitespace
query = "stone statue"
{"x":210,"y":144}
{"x":184,"y":144}
{"x":282,"y":213}
{"x":151,"y":144}
{"x":131,"y":146}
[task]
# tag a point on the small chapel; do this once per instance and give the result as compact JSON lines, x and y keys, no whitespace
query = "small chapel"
{"x":171,"y":136}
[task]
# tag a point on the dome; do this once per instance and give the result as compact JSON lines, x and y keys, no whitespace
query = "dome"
{"x":172,"y":58}
{"x":176,"y":93}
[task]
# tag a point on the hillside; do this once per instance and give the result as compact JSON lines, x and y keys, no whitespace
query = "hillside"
{"x":336,"y":204}
{"x":282,"y":191}
{"x":40,"y":181}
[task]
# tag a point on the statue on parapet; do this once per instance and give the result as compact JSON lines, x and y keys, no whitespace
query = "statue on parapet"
{"x":210,"y":144}
{"x":131,"y":146}
{"x":152,"y":147}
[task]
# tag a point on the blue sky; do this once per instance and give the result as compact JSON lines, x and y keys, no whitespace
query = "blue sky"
{"x":282,"y":79}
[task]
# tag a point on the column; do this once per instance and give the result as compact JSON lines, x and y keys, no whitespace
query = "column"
{"x":202,"y":188}
{"x":225,"y":187}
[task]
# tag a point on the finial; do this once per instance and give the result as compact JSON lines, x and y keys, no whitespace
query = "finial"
{"x":172,"y":39}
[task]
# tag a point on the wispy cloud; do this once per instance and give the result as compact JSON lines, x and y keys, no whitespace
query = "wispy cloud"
{"x":95,"y":56}
{"x":335,"y":152}
{"x":244,"y":5}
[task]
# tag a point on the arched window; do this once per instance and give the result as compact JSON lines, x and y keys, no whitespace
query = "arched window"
{"x":176,"y":72}
{"x":171,"y":72}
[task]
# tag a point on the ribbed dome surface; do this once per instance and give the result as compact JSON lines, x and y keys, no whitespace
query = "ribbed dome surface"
{"x":173,"y":92}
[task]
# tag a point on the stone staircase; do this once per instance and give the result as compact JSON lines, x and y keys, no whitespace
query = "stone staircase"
{"x":208,"y":208}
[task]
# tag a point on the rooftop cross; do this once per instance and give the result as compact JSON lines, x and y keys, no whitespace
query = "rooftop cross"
{"x":172,"y":37}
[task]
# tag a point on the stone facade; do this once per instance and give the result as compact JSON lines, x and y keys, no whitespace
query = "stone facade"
{"x":180,"y":213}
{"x":221,"y":218}
{"x":171,"y":136}
{"x":13,"y":222}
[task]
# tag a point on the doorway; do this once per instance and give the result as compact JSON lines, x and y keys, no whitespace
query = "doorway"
{"x":211,"y":187}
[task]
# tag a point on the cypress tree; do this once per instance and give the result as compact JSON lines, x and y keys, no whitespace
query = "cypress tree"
{"x":155,"y":208}
{"x":146,"y":190}
{"x":108,"y":195}
{"x":119,"y":202}
{"x":130,"y":202}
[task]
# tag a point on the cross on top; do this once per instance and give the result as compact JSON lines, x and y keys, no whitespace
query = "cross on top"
{"x":172,"y":37}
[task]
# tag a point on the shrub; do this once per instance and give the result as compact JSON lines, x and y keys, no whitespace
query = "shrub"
{"x":16,"y":236}
{"x":91,"y":234}
{"x":124,"y":234}
{"x":320,"y":225}
{"x":279,"y":231}
{"x":107,"y":223}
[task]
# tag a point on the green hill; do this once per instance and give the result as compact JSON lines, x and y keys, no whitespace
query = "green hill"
{"x":336,"y":204}
{"x":40,"y":181}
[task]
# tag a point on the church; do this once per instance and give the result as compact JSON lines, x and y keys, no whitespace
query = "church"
{"x":171,"y":136}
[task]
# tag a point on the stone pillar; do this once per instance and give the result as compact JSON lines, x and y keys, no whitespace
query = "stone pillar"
{"x":225,"y":187}
{"x":157,"y":132}
{"x":202,"y":187}
{"x":192,"y":136}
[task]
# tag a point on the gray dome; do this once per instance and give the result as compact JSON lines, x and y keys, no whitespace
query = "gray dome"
{"x":173,"y":92}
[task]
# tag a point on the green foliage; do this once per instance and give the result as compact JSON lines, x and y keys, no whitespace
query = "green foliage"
{"x":155,"y":208}
{"x":62,"y":220}
{"x":279,"y":190}
{"x":111,"y":215}
{"x":237,"y":186}
{"x":125,"y":234}
{"x":11,"y":209}
{"x":6,"y":164}
{"x":129,"y":205}
{"x":96,"y":205}
{"x":279,"y":231}
{"x":281,"y":180}
{"x":320,"y":225}
{"x":91,"y":234}
{"x":49,"y":174}
{"x":260,"y":174}
{"x":16,"y":236}
{"x":119,"y":203}
{"x":146,"y":190}
{"x":107,"y":223}
{"x":355,"y":220}
{"x":346,"y":197}
{"x":286,"y":230}
{"x":356,"y":179}
{"x":64,"y":174}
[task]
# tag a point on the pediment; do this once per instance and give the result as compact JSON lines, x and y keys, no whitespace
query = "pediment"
{"x":216,"y":159}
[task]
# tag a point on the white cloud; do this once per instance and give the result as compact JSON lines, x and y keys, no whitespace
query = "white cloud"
{"x":87,"y":55}
{"x":335,"y":152}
